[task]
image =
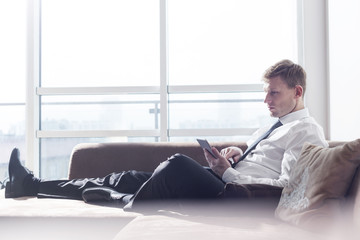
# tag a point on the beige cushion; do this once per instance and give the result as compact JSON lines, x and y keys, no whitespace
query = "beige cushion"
{"x":318,"y":184}
{"x":211,"y":228}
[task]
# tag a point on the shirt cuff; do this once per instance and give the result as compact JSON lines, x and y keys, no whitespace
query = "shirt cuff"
{"x":230,"y":175}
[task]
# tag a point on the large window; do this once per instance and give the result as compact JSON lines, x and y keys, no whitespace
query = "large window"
{"x":229,"y":41}
{"x":153,"y":70}
{"x":12,"y":78}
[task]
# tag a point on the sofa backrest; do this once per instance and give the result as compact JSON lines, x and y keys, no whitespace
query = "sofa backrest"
{"x":100,"y":159}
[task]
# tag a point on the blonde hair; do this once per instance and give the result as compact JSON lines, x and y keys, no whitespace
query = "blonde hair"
{"x":292,"y":74}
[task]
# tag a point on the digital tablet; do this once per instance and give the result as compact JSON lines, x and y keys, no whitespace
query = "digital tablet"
{"x":205,"y":145}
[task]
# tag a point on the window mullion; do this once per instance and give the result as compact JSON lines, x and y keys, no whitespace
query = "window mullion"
{"x":164,"y":103}
{"x":33,"y":81}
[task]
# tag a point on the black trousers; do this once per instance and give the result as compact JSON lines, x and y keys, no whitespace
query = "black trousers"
{"x":179,"y":177}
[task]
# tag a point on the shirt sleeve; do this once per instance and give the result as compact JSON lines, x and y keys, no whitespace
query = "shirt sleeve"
{"x":233,"y":176}
{"x":295,"y":139}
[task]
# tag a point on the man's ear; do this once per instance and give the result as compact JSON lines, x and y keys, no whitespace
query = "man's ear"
{"x":299,"y":91}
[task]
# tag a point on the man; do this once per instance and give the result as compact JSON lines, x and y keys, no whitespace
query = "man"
{"x":268,"y":161}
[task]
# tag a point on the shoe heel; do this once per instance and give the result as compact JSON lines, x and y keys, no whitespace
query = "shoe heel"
{"x":8,"y":193}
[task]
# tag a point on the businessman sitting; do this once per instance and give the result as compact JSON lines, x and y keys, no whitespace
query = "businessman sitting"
{"x":271,"y":154}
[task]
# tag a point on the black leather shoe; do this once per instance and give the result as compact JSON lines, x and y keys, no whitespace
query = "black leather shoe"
{"x":104,"y":194}
{"x":18,"y":175}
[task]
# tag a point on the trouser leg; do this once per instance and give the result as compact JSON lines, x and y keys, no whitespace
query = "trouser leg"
{"x":180,"y":177}
{"x":124,"y":182}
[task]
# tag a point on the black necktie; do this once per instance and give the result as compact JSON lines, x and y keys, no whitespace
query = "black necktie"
{"x":262,"y":137}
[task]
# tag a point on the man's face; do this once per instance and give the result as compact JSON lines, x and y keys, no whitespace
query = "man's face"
{"x":280,"y":99}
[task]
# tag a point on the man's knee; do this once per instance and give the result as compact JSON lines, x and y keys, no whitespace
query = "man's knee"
{"x":176,"y":166}
{"x":184,"y":177}
{"x":181,"y":161}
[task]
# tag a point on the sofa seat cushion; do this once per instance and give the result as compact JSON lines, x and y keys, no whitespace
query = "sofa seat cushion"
{"x":34,"y":207}
{"x":57,"y":219}
{"x":180,"y":228}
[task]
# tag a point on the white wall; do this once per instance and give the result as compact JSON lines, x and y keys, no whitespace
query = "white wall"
{"x":315,"y":60}
{"x":331,"y":58}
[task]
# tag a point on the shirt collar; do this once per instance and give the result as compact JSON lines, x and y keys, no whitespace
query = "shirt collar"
{"x":303,"y":113}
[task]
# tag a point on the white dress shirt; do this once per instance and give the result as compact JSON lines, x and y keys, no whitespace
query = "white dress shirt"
{"x":272,"y":159}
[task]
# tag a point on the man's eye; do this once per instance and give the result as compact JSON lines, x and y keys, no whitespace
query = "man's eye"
{"x":273,"y":93}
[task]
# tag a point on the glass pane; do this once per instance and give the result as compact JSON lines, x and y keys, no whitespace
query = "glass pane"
{"x":12,"y":134}
{"x":218,"y":110}
{"x":229,"y":41}
{"x":55,"y":160}
{"x":12,"y":51}
{"x":100,"y":43}
{"x":12,"y":79}
{"x":100,"y":112}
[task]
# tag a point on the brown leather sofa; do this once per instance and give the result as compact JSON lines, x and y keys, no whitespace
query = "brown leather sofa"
{"x":96,"y":160}
{"x":100,"y":159}
{"x":73,"y":219}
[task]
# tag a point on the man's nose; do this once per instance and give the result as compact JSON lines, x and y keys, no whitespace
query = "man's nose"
{"x":266,"y":100}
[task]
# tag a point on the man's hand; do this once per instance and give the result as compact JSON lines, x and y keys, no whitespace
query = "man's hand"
{"x":218,"y":164}
{"x":232,"y":152}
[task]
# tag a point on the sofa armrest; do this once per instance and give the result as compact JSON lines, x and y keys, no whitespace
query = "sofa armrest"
{"x":100,"y":159}
{"x":265,"y":196}
{"x":252,"y":191}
